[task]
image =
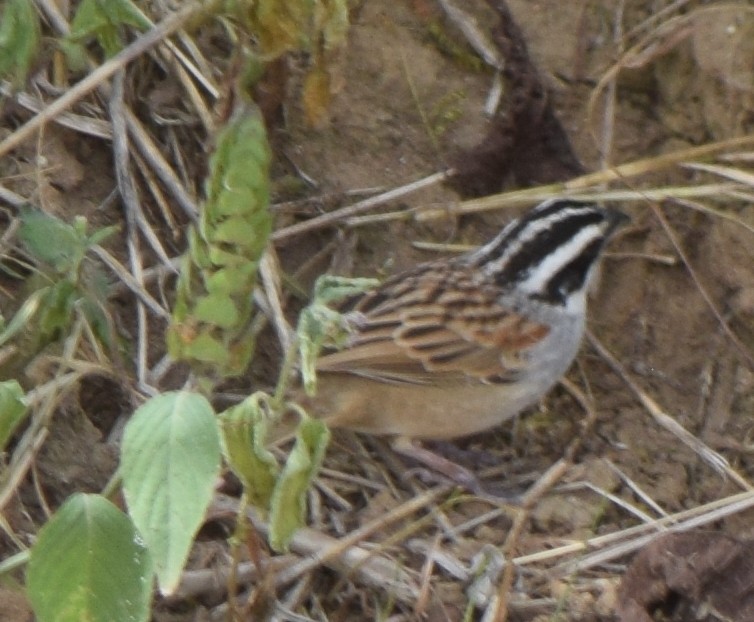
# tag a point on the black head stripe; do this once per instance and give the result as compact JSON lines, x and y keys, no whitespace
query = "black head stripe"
{"x":572,"y":276}
{"x":543,"y":243}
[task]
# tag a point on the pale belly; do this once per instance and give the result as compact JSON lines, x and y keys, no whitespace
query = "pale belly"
{"x":432,"y":413}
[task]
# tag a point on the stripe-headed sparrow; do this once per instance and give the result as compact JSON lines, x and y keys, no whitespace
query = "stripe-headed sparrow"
{"x":455,"y":347}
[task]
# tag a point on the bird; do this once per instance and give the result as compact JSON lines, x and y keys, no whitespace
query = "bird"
{"x":455,"y":347}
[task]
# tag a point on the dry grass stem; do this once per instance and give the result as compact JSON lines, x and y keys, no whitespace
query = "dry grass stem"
{"x":608,"y":115}
{"x":637,"y":537}
{"x":476,"y":37}
{"x":142,"y":139}
{"x":44,"y":401}
{"x":11,"y":198}
{"x":104,"y":71}
{"x":529,"y":196}
{"x":269,"y":270}
{"x":540,"y":488}
{"x":212,"y":582}
{"x":708,"y":455}
{"x":612,"y":498}
{"x":159,"y":197}
{"x":728,"y":172}
{"x":343,"y":213}
{"x":349,"y":558}
{"x":730,"y":506}
{"x":130,"y":282}
{"x":636,"y":489}
{"x":159,"y":164}
{"x":665,"y":260}
{"x":99,"y":128}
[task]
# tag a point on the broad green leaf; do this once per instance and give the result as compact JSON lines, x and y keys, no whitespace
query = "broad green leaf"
{"x":232,"y":202}
{"x":244,"y":432}
{"x":288,"y":505}
{"x":255,"y":179}
{"x":220,"y":257}
{"x":102,"y":19}
{"x":234,"y":230}
{"x":13,"y":408}
{"x":216,"y":309}
{"x":75,"y":54}
{"x":170,"y":459}
{"x":186,"y":341}
{"x":51,"y":240}
{"x":19,"y":40}
{"x":89,"y":563}
{"x":125,"y":12}
{"x":198,"y":252}
{"x":241,"y":351}
{"x":262,"y":226}
{"x":206,"y":348}
{"x":230,"y":280}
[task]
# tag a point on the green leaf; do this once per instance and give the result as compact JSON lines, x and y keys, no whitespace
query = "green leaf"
{"x":95,"y":313}
{"x":19,"y":40}
{"x":239,"y":169}
{"x":320,"y":326}
{"x":102,"y":19}
{"x":234,"y":230}
{"x":329,"y":288}
{"x":75,"y":54}
{"x":50,"y":240}
{"x":217,"y":310}
{"x":170,"y":459}
{"x":89,"y":563}
{"x":24,"y":315}
{"x":224,"y":258}
{"x":288,"y":506}
{"x":56,"y":312}
{"x":244,"y":432}
{"x":211,"y":323}
{"x":101,"y":235}
{"x":13,"y":409}
{"x":205,"y":348}
{"x":232,"y":280}
{"x":317,"y":326}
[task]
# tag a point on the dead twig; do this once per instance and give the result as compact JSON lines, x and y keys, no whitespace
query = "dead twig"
{"x":343,"y":213}
{"x":148,"y":40}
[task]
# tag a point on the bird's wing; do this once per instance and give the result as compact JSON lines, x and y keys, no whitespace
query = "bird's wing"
{"x":432,"y":326}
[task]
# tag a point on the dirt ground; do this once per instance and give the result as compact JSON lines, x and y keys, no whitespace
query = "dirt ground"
{"x":407,"y":104}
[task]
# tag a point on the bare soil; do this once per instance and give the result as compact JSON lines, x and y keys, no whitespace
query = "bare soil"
{"x":406,"y":107}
